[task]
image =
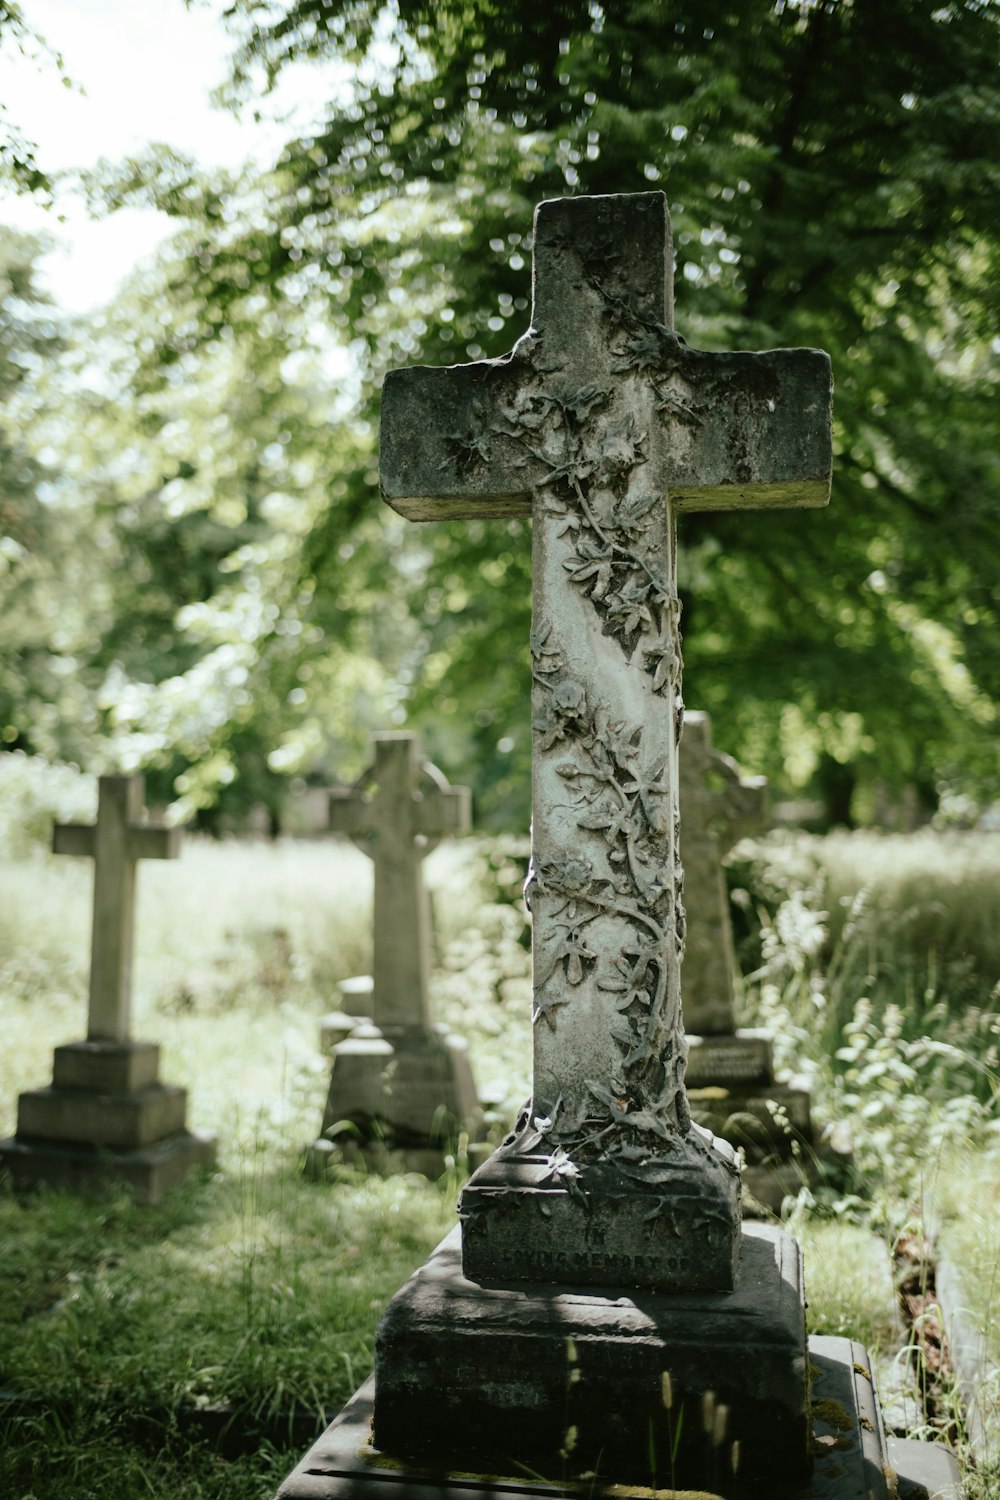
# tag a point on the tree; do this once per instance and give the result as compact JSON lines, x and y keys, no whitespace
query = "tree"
{"x":39,"y":545}
{"x":198,"y":469}
{"x":833,"y":181}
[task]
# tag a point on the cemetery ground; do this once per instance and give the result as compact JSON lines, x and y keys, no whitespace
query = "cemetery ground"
{"x":193,"y":1349}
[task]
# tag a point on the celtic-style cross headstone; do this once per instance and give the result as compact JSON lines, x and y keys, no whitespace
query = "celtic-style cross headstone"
{"x":402,"y":1085}
{"x":397,"y":813}
{"x":119,"y":838}
{"x":720,"y":804}
{"x":603,"y":426}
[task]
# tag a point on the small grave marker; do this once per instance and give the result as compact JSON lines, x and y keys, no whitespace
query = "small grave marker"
{"x":106,"y":1114}
{"x":720,"y":804}
{"x":118,"y":839}
{"x":397,"y":813}
{"x":730,"y":1071}
{"x":405,"y":1084}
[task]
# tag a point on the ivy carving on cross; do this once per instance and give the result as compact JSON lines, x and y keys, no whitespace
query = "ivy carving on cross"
{"x":603,"y":426}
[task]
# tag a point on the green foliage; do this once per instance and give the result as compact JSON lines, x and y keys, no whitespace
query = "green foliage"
{"x":34,"y":796}
{"x":814,"y":201}
{"x":878,"y":982}
{"x":260,"y":1289}
{"x":849,"y":1285}
{"x":222,"y":598}
{"x":19,"y":167}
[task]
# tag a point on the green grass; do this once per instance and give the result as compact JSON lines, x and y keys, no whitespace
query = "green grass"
{"x":260,"y":1289}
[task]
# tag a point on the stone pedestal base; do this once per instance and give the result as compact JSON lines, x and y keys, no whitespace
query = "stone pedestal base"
{"x":851,"y":1458}
{"x":104,"y":1118}
{"x":400,"y":1097}
{"x":662,"y":1222}
{"x":561,"y":1379}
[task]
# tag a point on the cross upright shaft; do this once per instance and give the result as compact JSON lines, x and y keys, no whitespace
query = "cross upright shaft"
{"x":603,"y":425}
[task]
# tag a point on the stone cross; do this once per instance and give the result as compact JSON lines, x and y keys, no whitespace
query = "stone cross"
{"x":119,"y":838}
{"x":720,"y":804}
{"x":603,"y":426}
{"x":397,"y":813}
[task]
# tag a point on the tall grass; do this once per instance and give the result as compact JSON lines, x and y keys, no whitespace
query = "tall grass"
{"x":261,"y":1289}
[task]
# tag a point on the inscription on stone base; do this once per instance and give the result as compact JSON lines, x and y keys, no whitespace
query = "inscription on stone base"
{"x":744,"y":1057}
{"x":665,"y":1224}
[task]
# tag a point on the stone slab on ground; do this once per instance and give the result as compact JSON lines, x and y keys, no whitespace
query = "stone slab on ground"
{"x":850,"y":1463}
{"x":148,"y":1172}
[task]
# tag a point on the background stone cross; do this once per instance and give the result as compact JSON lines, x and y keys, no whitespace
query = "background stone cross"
{"x":603,"y":425}
{"x":396,"y":813}
{"x":720,"y":804}
{"x":119,"y":838}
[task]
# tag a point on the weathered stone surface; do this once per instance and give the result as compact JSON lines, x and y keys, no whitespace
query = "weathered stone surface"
{"x":356,"y":995}
{"x":119,"y":838}
{"x":730,"y":1072}
{"x":148,"y":1172}
{"x":128,"y":1120}
{"x":397,"y":813}
{"x":665,"y":1225}
{"x":485,"y":1373}
{"x":739,"y":1060}
{"x":720,"y":804}
{"x":601,"y":425}
{"x":746,"y":430}
{"x":106,"y":1116}
{"x":762,"y":1123}
{"x":853,"y":1461}
{"x":398,"y":1081}
{"x":605,"y":425}
{"x":335,"y":1027}
{"x":417,"y":1082}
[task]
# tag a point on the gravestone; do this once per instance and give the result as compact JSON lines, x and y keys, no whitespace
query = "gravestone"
{"x":730,"y":1072}
{"x":604,"y":1309}
{"x":401,"y":1087}
{"x":106,"y":1115}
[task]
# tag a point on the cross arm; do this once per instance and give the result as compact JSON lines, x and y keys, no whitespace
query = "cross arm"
{"x":74,"y":838}
{"x":448,"y":810}
{"x":747,"y":430}
{"x":348,"y":812}
{"x":151,"y":842}
{"x":448,"y":448}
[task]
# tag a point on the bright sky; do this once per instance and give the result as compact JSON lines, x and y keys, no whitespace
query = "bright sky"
{"x":147,"y":68}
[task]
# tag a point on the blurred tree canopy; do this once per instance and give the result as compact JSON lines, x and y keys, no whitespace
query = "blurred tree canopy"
{"x":833,"y":181}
